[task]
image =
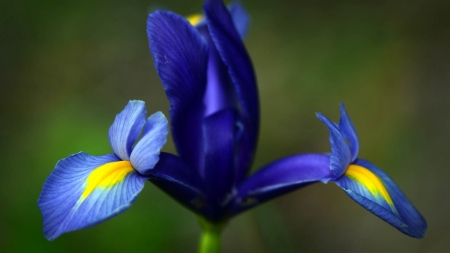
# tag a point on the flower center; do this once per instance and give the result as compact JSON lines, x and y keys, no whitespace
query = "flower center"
{"x":194,"y":19}
{"x":107,"y":175}
{"x":371,"y":182}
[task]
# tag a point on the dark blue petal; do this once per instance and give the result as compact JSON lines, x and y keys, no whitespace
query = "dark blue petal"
{"x":240,"y":17}
{"x":340,"y":152}
{"x":84,"y":190}
{"x":370,"y":187}
{"x":220,"y":93}
{"x":180,"y":181}
{"x":280,"y":177}
{"x":126,"y":128}
{"x":349,"y":131}
{"x":233,"y":53}
{"x":180,"y":56}
{"x":218,"y":131}
{"x":146,"y":152}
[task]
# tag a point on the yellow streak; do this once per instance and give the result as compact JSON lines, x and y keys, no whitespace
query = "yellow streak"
{"x":194,"y":19}
{"x":107,"y":175}
{"x":370,"y":181}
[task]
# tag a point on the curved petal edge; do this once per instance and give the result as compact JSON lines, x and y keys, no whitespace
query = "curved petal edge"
{"x":84,"y":190}
{"x":146,"y":152}
{"x":340,"y":152}
{"x":349,"y":131}
{"x":372,"y":188}
{"x":126,"y":128}
{"x":280,"y":177}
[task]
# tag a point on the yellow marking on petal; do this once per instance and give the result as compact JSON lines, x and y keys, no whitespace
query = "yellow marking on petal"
{"x":370,"y":181}
{"x":194,"y":19}
{"x":107,"y":175}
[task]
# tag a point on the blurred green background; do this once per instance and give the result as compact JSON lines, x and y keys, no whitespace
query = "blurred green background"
{"x":68,"y":67}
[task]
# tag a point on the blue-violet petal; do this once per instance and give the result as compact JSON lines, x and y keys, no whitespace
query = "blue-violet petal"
{"x":349,"y":131}
{"x":233,"y":53}
{"x":372,"y":188}
{"x":180,"y":56}
{"x":340,"y":152}
{"x":280,"y":177}
{"x":84,"y":190}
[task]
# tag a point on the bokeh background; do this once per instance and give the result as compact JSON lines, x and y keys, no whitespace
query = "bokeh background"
{"x":67,"y":67}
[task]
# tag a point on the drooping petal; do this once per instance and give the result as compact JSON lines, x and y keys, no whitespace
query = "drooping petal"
{"x":84,"y":190}
{"x":180,"y":181}
{"x":340,"y":152}
{"x":370,"y":187}
{"x":180,"y":56}
{"x":280,"y":177}
{"x":240,"y":17}
{"x":349,"y":131}
{"x":233,"y":53}
{"x":218,"y":132}
{"x":146,"y":152}
{"x":126,"y":128}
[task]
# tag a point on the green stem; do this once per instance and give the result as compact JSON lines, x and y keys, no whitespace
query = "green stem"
{"x":210,"y":238}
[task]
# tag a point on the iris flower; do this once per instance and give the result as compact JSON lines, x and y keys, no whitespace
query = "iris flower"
{"x":84,"y":190}
{"x":365,"y":183}
{"x":214,"y":111}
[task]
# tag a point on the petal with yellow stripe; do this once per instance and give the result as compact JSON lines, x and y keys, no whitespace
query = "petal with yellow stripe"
{"x":370,"y":187}
{"x":84,"y":190}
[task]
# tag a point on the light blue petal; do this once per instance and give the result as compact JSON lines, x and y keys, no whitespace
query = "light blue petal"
{"x":240,"y":17}
{"x":80,"y":193}
{"x":390,"y":204}
{"x":126,"y":128}
{"x":340,"y":152}
{"x":146,"y":152}
{"x":349,"y":131}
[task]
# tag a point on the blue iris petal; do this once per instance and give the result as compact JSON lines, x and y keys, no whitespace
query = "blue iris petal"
{"x":180,"y":181}
{"x":220,"y":93}
{"x":240,"y":17}
{"x":348,"y":130}
{"x":146,"y":152}
{"x":180,"y":56}
{"x":280,"y":177}
{"x":233,"y":53}
{"x":404,"y":216}
{"x":340,"y":152}
{"x":126,"y":128}
{"x":218,"y":130}
{"x":69,"y":202}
